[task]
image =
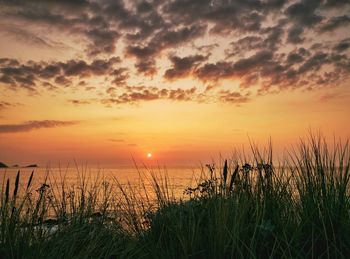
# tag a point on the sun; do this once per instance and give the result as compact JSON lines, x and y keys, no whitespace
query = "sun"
{"x":149,"y":155}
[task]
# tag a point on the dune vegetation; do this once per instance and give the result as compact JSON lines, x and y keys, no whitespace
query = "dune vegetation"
{"x":245,"y":207}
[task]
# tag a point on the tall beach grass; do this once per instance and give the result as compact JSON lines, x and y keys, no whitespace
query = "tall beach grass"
{"x":240,"y":208}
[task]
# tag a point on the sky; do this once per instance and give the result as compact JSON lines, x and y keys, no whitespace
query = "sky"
{"x":109,"y":81}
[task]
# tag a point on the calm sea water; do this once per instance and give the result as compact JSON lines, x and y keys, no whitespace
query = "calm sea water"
{"x":178,"y":178}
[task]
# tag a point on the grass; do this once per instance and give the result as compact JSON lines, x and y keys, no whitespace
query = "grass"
{"x":245,"y":208}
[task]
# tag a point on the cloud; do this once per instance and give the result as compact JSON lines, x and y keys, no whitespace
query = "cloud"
{"x":226,"y":16}
{"x":244,"y":44}
{"x":182,"y":67}
{"x":303,"y":16}
{"x":30,"y":75}
{"x":304,"y":12}
{"x":267,"y":46}
{"x":34,"y":125}
{"x":222,"y":70}
{"x":315,"y":62}
{"x":79,"y":102}
{"x":97,"y":67}
{"x":146,"y":66}
{"x":164,"y":39}
{"x":335,"y":23}
{"x":255,"y":61}
{"x":116,"y":140}
{"x":63,"y":81}
{"x":336,"y":3}
{"x":297,"y":56}
{"x":5,"y":105}
{"x":73,"y":17}
{"x":234,"y":97}
{"x":25,"y":36}
{"x":330,"y":96}
{"x":141,"y":94}
{"x":342,"y":46}
{"x":103,"y":41}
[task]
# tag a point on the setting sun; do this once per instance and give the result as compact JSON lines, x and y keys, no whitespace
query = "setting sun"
{"x":149,"y":155}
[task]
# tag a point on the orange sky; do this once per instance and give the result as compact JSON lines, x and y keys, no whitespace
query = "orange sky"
{"x":186,"y":80}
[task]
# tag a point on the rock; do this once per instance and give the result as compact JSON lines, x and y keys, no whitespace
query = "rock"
{"x":2,"y":165}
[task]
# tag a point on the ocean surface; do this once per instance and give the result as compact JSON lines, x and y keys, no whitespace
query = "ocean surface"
{"x":176,"y":178}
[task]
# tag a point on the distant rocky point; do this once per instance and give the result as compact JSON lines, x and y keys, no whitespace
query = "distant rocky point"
{"x":2,"y":165}
{"x":33,"y":165}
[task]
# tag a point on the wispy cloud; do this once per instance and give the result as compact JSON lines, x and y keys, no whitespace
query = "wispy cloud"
{"x":116,"y":140}
{"x":34,"y":125}
{"x":4,"y":105}
{"x":79,"y":102}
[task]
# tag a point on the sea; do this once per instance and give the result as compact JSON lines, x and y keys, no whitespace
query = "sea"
{"x":175,"y":179}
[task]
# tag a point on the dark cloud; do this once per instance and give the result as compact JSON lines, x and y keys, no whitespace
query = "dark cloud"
{"x":222,"y":70}
{"x":234,"y":97}
{"x":141,"y":52}
{"x":80,"y":68}
{"x":315,"y":62}
{"x":119,"y":75}
{"x":162,"y":40}
{"x":269,"y":38}
{"x":300,"y":68}
{"x":257,"y":60}
{"x":31,"y":74}
{"x":245,"y":44}
{"x":103,"y":41}
{"x":294,"y":34}
{"x":165,"y":39}
{"x":226,"y":16}
{"x":215,"y":71}
{"x":336,"y":3}
{"x":146,"y":66}
{"x":74,"y":17}
{"x":141,"y":93}
{"x":49,"y":71}
{"x":181,"y":94}
{"x":34,"y":125}
{"x":24,"y":75}
{"x":131,"y":98}
{"x":62,"y":80}
{"x":182,"y":67}
{"x":297,"y":56}
{"x":335,"y":23}
{"x":303,"y":15}
{"x":275,"y":4}
{"x":8,"y":62}
{"x":343,"y":45}
{"x":304,"y":12}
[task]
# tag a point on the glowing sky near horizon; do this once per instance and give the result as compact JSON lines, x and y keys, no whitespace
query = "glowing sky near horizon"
{"x":111,"y":81}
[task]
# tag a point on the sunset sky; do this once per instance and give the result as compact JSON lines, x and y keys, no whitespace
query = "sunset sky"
{"x":186,"y":80}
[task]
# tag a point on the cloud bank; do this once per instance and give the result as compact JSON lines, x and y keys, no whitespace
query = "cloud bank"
{"x":266,"y":45}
